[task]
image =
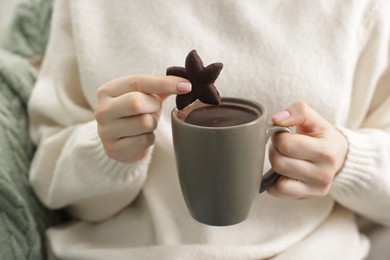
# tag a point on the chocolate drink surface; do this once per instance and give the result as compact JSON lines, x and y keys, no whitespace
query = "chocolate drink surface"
{"x":221,"y":115}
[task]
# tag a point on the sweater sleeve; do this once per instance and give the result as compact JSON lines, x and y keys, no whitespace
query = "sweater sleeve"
{"x":70,"y":168}
{"x":363,"y":184}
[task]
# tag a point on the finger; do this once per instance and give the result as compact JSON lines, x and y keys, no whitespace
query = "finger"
{"x":129,"y":148}
{"x":135,"y":103}
{"x":292,"y":168}
{"x":129,"y":126}
{"x":164,"y":85}
{"x":293,"y":188}
{"x":289,"y":188}
{"x":297,"y":146}
{"x":302,"y":115}
{"x":129,"y":104}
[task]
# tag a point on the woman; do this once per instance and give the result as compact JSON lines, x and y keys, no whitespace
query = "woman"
{"x":100,"y":117}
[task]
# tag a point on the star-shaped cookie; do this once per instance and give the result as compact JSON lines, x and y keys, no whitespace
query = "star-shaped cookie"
{"x":202,"y":80}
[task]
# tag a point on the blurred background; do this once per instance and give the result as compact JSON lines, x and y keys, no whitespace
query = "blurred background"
{"x":380,"y":236}
{"x":6,"y":9}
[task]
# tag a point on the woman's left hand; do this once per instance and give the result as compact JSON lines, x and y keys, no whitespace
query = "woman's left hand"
{"x":308,"y":160}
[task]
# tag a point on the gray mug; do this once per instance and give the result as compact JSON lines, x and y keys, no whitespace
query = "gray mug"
{"x":220,"y":168}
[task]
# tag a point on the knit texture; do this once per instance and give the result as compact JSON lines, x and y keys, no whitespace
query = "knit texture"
{"x":29,"y":30}
{"x":23,"y":219}
{"x":275,"y":52}
{"x":20,"y":231}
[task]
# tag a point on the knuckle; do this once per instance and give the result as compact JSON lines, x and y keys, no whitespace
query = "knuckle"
{"x":302,"y":108}
{"x":323,"y":191}
{"x":111,"y":150}
{"x":103,"y":90}
{"x":135,"y":103}
{"x":149,"y":139}
{"x":323,"y":181}
{"x":327,"y":154}
{"x":101,"y":114}
{"x":142,"y":142}
{"x":148,"y":122}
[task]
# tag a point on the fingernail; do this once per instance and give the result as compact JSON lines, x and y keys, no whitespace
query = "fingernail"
{"x":280,"y":116}
{"x":184,"y":87}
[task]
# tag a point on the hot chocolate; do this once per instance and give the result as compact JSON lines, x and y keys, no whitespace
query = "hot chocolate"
{"x":225,"y":114}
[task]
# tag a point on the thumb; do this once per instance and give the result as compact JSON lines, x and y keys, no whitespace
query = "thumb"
{"x":301,"y":115}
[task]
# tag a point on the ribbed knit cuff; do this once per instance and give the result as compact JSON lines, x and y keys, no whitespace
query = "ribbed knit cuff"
{"x":359,"y":167}
{"x":107,"y":165}
{"x":92,"y":165}
{"x":82,"y":170}
{"x":110,"y":170}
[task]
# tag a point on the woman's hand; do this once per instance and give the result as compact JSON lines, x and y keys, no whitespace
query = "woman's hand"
{"x":127,"y":113}
{"x":308,"y":160}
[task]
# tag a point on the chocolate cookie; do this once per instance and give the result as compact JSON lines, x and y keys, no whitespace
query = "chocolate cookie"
{"x":202,"y":80}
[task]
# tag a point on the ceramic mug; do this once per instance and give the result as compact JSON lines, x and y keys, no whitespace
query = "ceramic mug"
{"x":220,"y":167}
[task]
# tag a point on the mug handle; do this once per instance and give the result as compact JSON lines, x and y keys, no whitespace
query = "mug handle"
{"x":271,"y":177}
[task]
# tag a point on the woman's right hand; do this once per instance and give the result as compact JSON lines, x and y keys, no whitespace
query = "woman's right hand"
{"x":128,"y":110}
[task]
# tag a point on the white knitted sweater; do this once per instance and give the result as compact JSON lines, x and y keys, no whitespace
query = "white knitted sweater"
{"x":332,"y":54}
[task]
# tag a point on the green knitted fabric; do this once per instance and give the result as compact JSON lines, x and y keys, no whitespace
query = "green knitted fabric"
{"x":19,"y":237}
{"x":23,"y":219}
{"x":29,"y":30}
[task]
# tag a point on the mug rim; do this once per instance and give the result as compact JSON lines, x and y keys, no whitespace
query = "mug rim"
{"x":243,"y":101}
